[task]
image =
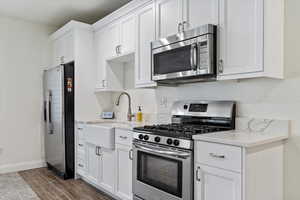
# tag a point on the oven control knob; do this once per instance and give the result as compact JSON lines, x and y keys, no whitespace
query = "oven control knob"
{"x":176,"y":142}
{"x":141,"y":136}
{"x":185,"y":107}
{"x":169,"y":141}
{"x":157,"y":139}
{"x":146,"y":137}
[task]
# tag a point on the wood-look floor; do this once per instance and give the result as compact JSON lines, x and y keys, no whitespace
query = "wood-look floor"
{"x":49,"y":187}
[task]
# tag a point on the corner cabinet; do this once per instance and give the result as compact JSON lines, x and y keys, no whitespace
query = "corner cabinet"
{"x":145,"y":28}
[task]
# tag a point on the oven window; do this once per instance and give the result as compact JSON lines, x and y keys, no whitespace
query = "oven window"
{"x":175,"y":60}
{"x":159,"y":172}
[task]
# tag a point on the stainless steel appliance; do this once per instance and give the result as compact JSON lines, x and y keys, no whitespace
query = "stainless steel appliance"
{"x":185,"y":57}
{"x":163,"y":154}
{"x":59,"y":119}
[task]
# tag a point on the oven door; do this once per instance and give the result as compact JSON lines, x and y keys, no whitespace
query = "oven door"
{"x":176,"y":60}
{"x":161,"y":173}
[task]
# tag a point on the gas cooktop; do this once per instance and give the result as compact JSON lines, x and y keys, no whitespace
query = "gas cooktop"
{"x":182,"y":131}
{"x":189,"y":118}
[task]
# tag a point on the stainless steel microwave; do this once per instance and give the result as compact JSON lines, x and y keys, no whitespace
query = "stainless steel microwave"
{"x":185,"y":57}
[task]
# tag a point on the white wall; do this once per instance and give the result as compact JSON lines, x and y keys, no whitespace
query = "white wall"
{"x":24,"y":49}
{"x":259,"y":98}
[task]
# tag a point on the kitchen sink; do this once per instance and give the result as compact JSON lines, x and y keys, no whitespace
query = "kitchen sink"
{"x":101,"y":134}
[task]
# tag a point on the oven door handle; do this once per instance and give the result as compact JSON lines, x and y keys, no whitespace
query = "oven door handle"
{"x":164,"y":152}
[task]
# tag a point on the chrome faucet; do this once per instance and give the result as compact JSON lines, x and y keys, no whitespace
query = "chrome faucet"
{"x":129,"y":113}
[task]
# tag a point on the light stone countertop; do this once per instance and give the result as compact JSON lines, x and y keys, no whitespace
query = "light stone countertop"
{"x":115,"y":123}
{"x":277,"y":130}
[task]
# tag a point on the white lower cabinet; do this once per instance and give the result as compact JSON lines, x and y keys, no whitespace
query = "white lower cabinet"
{"x":124,"y":172}
{"x":238,"y":173}
{"x":92,"y":163}
{"x":109,"y":170}
{"x":212,"y":183}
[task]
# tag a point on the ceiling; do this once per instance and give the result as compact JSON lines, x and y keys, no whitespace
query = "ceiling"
{"x":59,"y":12}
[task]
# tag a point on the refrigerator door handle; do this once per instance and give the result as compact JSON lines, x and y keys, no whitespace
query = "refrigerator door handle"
{"x":45,"y":111}
{"x":50,"y":113}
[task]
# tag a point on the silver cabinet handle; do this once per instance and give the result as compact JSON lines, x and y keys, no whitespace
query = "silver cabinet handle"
{"x":123,"y":137}
{"x":221,"y":66}
{"x":131,"y":154}
{"x":119,"y":49}
{"x":216,"y":155}
{"x":184,"y":25}
{"x":98,"y":151}
{"x":81,"y":145}
{"x":194,"y":56}
{"x":80,"y":165}
{"x":62,"y":59}
{"x":197,"y":174}
{"x":80,"y":129}
{"x":179,"y":27}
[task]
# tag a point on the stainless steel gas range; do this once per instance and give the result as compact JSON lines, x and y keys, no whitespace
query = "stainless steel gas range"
{"x":163,"y":154}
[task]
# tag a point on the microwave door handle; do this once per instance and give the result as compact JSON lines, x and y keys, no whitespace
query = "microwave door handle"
{"x":194,"y":56}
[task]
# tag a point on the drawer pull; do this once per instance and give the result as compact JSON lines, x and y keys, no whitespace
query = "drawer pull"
{"x":81,"y":145}
{"x":80,"y":165}
{"x":123,"y":137}
{"x":217,"y":156}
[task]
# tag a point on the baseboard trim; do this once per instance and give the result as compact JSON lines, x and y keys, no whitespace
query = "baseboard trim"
{"x":21,"y":166}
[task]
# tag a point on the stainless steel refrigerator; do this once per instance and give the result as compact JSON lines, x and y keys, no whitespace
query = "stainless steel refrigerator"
{"x":59,"y":119}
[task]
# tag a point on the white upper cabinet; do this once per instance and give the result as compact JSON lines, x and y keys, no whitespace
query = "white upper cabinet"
{"x":241,"y":35}
{"x":127,"y":35}
{"x":213,"y":183}
{"x":200,"y":12}
{"x":112,"y":39}
{"x":101,"y":54}
{"x":121,"y":37}
{"x":145,"y":35}
{"x":63,"y":49}
{"x":168,"y":17}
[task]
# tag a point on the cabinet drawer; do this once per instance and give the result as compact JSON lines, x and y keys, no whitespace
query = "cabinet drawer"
{"x":123,"y":137}
{"x":219,"y":155}
{"x":80,"y":134}
{"x":80,"y":164}
{"x":80,"y":146}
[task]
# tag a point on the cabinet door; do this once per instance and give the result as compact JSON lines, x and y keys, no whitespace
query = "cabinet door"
{"x":92,"y":163}
{"x":107,"y":170}
{"x":127,"y":34}
{"x":123,"y":172}
{"x":200,"y":12}
{"x":241,"y":36}
{"x":112,"y":33}
{"x":213,"y":183}
{"x":57,"y":51}
{"x":68,"y":47}
{"x":145,"y":35}
{"x":168,"y":17}
{"x":101,"y":54}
